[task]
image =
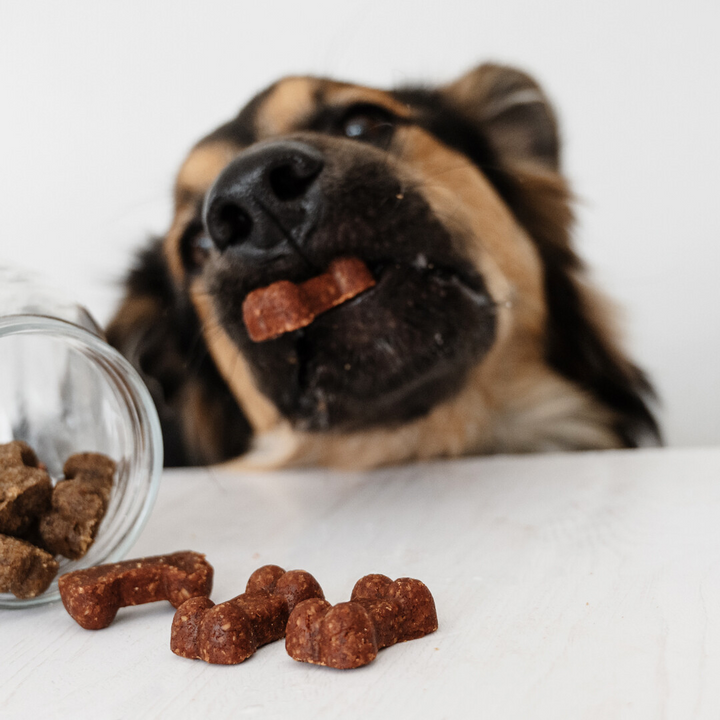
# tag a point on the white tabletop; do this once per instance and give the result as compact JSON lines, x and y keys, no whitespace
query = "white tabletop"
{"x":568,"y":586}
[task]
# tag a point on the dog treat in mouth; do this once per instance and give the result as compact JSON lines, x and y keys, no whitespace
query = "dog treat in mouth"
{"x":230,"y":632}
{"x":78,"y":505}
{"x":285,"y":306}
{"x":25,"y":570}
{"x":380,"y":613}
{"x":92,"y":597}
{"x":25,"y":489}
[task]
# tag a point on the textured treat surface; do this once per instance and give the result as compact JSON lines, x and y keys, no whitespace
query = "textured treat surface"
{"x":25,"y":570}
{"x":25,"y":489}
{"x":348,"y":635}
{"x":79,"y":504}
{"x":284,"y":306}
{"x":229,"y":633}
{"x":92,"y":597}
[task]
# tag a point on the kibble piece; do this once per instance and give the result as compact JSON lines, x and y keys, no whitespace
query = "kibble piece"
{"x":79,"y":504}
{"x":25,"y":489}
{"x":229,"y":633}
{"x":25,"y":570}
{"x":284,"y":306}
{"x":17,"y":453}
{"x":92,"y":597}
{"x":94,"y":469}
{"x":348,"y":635}
{"x":69,"y":529}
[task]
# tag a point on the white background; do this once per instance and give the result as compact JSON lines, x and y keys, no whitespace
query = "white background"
{"x":99,"y":101}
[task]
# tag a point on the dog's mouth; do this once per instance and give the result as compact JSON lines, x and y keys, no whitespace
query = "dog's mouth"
{"x":385,"y":356}
{"x":393,"y":352}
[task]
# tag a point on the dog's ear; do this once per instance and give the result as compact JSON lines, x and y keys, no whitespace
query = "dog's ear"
{"x":157,"y":329}
{"x":513,"y":113}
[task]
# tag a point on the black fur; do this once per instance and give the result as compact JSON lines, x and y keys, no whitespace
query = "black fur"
{"x":170,"y":353}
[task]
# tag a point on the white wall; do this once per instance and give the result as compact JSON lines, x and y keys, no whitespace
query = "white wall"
{"x":100,"y":100}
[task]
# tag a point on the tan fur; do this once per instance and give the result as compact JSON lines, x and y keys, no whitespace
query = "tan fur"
{"x":466,"y":202}
{"x":135,"y":310}
{"x":202,"y":166}
{"x":344,"y":94}
{"x":260,"y":412}
{"x":290,"y":101}
{"x":554,"y":415}
{"x":204,"y":163}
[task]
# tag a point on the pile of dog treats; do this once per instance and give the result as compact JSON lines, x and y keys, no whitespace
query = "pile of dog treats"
{"x":275,"y":604}
{"x":39,"y":521}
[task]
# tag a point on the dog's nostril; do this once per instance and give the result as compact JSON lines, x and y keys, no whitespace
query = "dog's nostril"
{"x":228,"y":224}
{"x":292,"y":179}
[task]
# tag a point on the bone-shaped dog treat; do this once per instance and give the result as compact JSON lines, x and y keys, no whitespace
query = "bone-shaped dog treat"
{"x":230,"y":632}
{"x":25,"y":488}
{"x":380,"y":613}
{"x":284,"y":306}
{"x":93,"y":596}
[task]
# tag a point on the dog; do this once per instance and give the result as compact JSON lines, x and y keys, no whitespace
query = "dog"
{"x":481,"y":335}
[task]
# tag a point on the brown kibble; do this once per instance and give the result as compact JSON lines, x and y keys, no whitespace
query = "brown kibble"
{"x":92,"y":597}
{"x":25,"y":571}
{"x":70,"y":528}
{"x":93,"y":469}
{"x":79,"y":504}
{"x":348,"y":635}
{"x":17,"y":453}
{"x":285,"y":306}
{"x":25,"y":489}
{"x":229,"y":633}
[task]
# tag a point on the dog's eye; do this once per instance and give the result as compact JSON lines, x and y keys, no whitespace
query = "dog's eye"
{"x":195,"y":246}
{"x":368,"y":123}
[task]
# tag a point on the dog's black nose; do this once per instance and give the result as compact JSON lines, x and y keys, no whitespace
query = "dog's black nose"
{"x":267,"y":200}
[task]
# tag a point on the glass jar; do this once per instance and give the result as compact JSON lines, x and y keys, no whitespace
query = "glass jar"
{"x":64,"y":390}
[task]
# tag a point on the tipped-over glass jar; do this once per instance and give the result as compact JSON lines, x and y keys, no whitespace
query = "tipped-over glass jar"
{"x":64,"y":390}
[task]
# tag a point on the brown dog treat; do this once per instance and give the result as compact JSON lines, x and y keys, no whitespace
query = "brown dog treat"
{"x":17,"y":453}
{"x":415,"y":615}
{"x":284,"y":306}
{"x":79,"y":504}
{"x":183,"y":640}
{"x":94,"y":469}
{"x":230,"y":632}
{"x":380,"y":613}
{"x":25,"y":571}
{"x":92,"y":597}
{"x":25,"y":489}
{"x":69,"y":529}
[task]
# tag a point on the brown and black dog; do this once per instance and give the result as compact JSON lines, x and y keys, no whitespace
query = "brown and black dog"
{"x":481,"y":334}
